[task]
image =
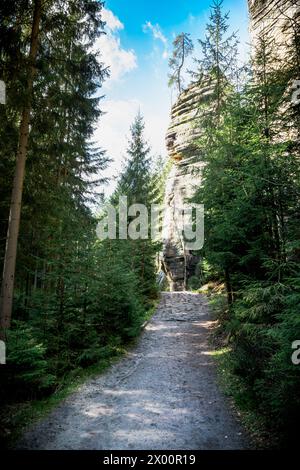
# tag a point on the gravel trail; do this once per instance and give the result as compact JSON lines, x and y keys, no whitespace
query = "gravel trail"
{"x":163,"y":395}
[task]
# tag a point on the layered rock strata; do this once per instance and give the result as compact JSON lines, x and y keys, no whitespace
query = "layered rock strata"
{"x":276,"y":21}
{"x":178,"y":262}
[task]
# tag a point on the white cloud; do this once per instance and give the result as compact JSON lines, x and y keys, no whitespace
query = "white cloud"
{"x":158,"y":35}
{"x":119,"y":60}
{"x":155,"y":131}
{"x":113,"y":133}
{"x":112,"y":22}
{"x":114,"y":125}
{"x":156,"y":31}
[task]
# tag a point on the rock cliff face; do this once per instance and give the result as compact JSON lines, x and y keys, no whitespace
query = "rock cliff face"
{"x":278,"y":22}
{"x":179,"y":263}
{"x":275,"y":20}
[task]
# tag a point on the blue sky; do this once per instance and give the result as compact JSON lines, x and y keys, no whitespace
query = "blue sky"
{"x":137,"y":47}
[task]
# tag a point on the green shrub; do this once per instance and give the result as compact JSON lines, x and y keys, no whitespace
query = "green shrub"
{"x":265,"y":321}
{"x":27,"y":370}
{"x":193,"y":283}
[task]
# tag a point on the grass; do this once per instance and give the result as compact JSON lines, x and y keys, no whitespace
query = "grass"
{"x":233,"y":385}
{"x":151,"y":310}
{"x":234,"y":388}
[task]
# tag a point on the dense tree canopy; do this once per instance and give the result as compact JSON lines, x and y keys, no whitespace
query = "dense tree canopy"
{"x":76,"y":299}
{"x":250,"y":190}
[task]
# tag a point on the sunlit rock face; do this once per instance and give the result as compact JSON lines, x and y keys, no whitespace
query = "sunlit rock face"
{"x":275,"y":20}
{"x":184,"y":177}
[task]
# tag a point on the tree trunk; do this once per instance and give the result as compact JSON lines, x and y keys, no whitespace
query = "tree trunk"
{"x":9,"y":266}
{"x":228,"y":287}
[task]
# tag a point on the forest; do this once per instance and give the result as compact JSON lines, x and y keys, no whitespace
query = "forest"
{"x":71,"y":303}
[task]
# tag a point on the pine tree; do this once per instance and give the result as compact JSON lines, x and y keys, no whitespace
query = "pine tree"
{"x":250,"y":190}
{"x":135,"y":181}
{"x":60,"y":158}
{"x":7,"y":286}
{"x":183,"y":47}
{"x":219,"y":56}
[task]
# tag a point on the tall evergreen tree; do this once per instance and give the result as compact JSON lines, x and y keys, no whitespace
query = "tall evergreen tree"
{"x":135,"y":181}
{"x":219,"y":55}
{"x":60,"y":158}
{"x":9,"y":266}
{"x":250,"y":190}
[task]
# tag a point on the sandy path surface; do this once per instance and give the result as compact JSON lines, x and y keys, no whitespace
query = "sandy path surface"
{"x":162,"y":395}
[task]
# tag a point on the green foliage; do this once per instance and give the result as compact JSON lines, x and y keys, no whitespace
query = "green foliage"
{"x":77,"y":300}
{"x":135,"y":181}
{"x":193,"y":283}
{"x":250,"y":190}
{"x":183,"y":47}
{"x":27,"y":368}
{"x":141,"y":186}
{"x":264,"y":323}
{"x":218,"y":62}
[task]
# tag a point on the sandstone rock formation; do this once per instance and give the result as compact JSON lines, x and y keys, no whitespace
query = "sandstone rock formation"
{"x":275,"y":20}
{"x":278,"y":23}
{"x":178,"y":262}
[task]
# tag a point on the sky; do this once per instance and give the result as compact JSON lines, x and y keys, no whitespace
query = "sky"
{"x":136,"y":47}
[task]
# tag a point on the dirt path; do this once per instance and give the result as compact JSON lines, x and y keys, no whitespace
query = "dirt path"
{"x":162,"y":395}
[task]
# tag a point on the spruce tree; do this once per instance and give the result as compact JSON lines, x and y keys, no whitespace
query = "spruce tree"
{"x":61,"y":160}
{"x":250,"y":190}
{"x":9,"y":265}
{"x":135,"y":180}
{"x":219,"y":56}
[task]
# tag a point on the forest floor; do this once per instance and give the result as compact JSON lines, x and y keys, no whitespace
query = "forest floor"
{"x":164,"y":394}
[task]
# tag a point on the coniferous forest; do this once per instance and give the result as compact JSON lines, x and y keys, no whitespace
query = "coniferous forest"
{"x":72,"y":304}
